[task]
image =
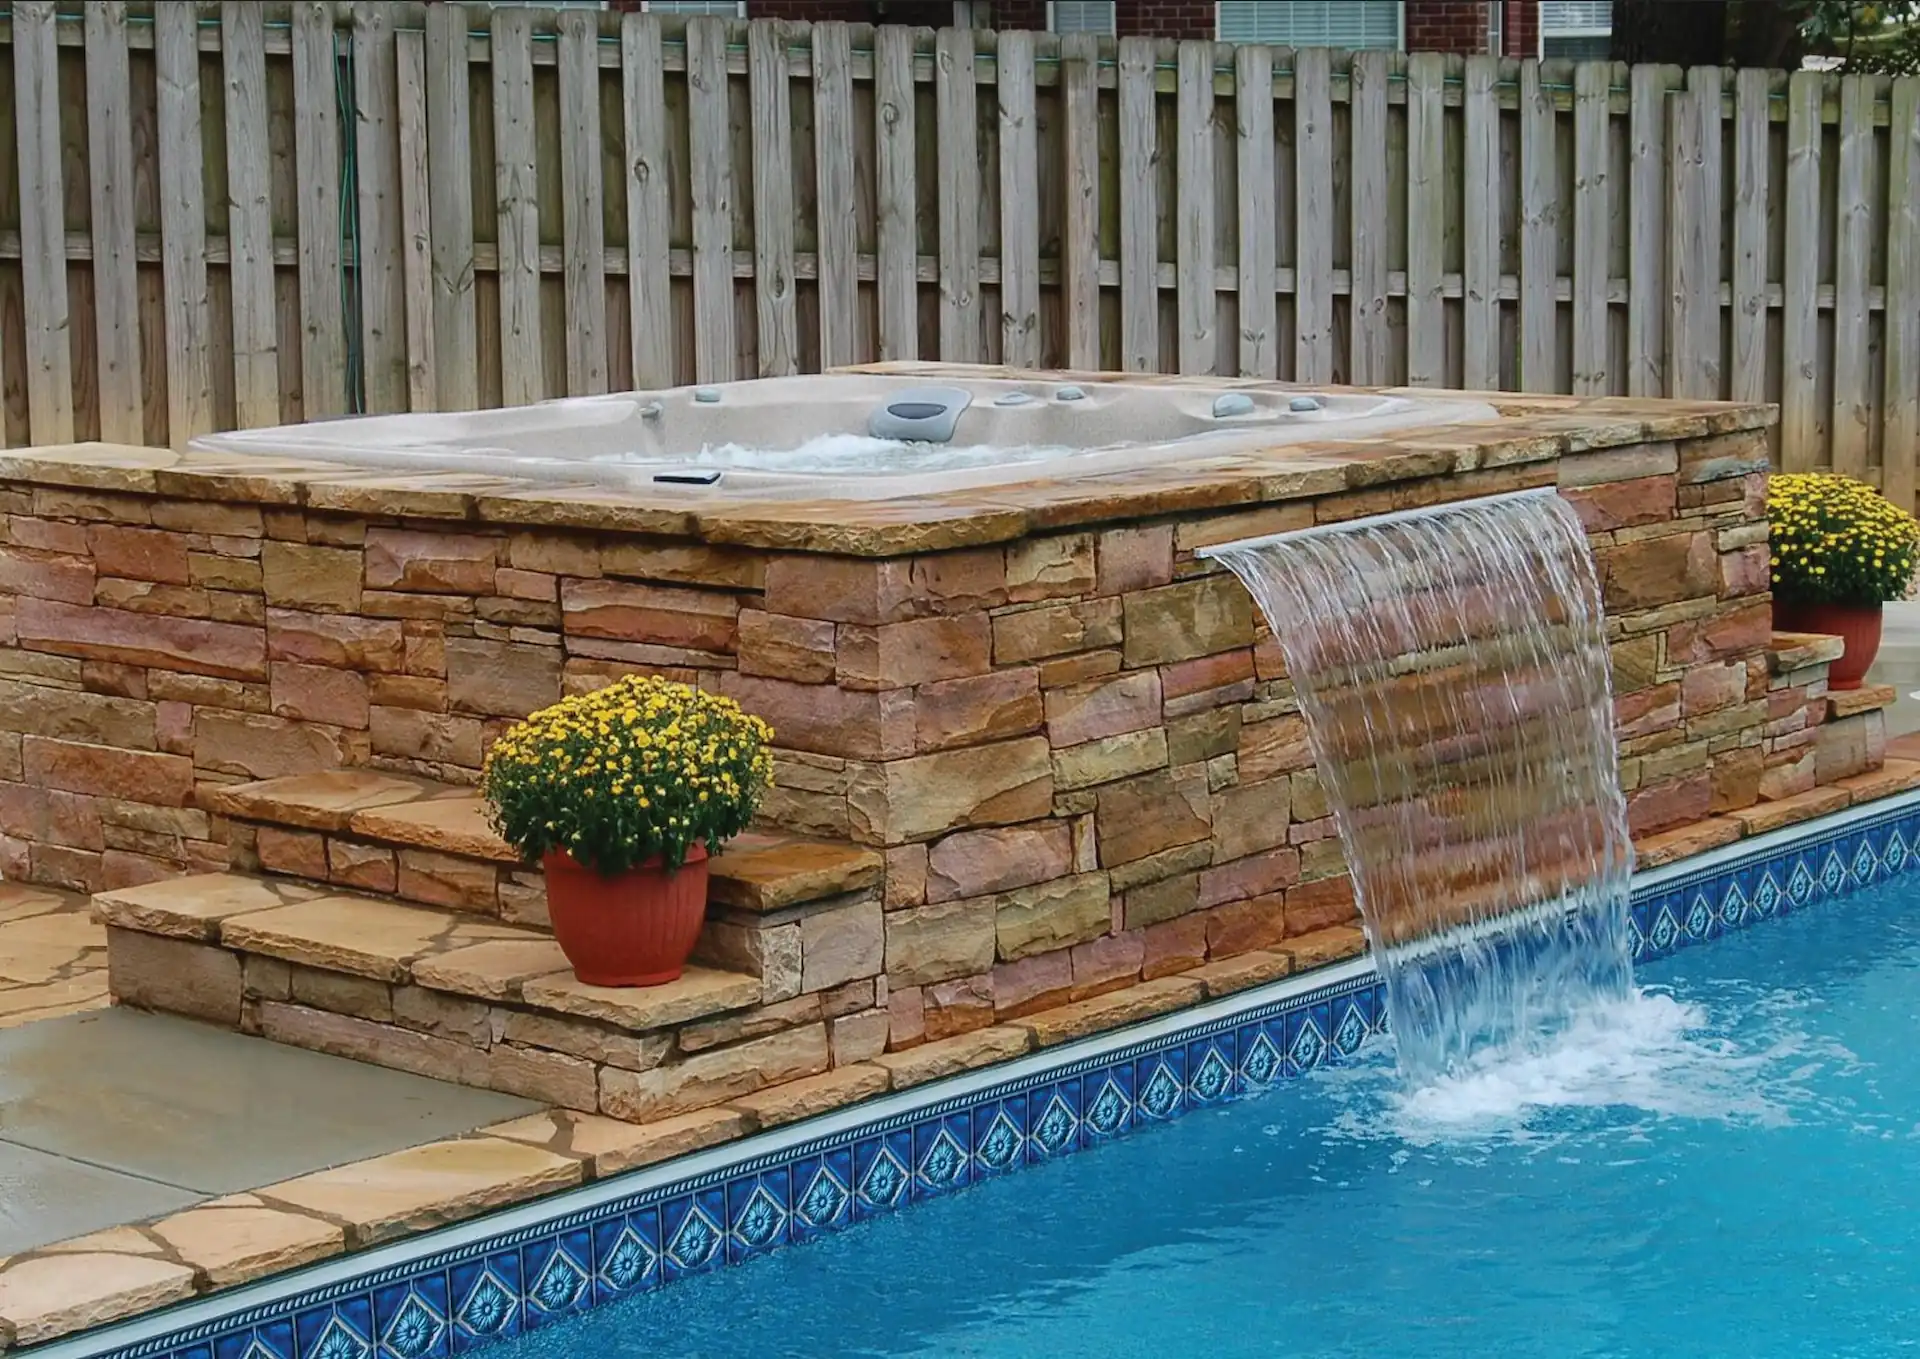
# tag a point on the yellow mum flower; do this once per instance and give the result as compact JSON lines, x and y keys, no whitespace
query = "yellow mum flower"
{"x":565,"y":779}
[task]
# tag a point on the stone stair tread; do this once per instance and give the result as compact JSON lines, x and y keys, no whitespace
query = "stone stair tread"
{"x":1852,"y":702}
{"x":758,"y":871}
{"x":1790,"y":651}
{"x":195,"y":907}
{"x":699,"y":991}
{"x":324,"y":802}
{"x":398,"y":942}
{"x":765,"y":872}
{"x":360,"y":935}
{"x":452,"y":824}
{"x":493,"y":969}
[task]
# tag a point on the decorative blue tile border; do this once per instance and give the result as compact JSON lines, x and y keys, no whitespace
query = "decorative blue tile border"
{"x":449,"y":1292}
{"x":1789,"y":870}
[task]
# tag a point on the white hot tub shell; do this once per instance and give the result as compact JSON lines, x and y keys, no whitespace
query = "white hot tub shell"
{"x":849,"y":436}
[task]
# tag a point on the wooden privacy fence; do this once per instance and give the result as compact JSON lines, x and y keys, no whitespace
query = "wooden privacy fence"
{"x":243,"y":214}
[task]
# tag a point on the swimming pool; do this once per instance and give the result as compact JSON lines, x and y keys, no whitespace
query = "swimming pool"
{"x":1723,"y":1167}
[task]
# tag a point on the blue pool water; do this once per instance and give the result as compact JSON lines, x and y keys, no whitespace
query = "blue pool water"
{"x":1728,"y":1164}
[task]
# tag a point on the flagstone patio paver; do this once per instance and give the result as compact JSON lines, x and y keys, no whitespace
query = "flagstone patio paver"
{"x":53,"y":957}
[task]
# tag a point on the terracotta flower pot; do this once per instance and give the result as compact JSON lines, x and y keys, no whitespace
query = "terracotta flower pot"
{"x":1858,"y":625}
{"x":633,"y":929}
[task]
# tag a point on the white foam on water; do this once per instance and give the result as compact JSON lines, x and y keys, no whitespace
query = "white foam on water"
{"x":856,"y":453}
{"x":1646,"y":1051}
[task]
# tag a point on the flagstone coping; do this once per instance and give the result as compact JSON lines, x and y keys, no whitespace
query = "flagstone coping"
{"x":886,"y":528}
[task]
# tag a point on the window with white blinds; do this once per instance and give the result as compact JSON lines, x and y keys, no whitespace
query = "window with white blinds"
{"x":726,"y":9}
{"x":1311,"y":23}
{"x":1578,"y":30}
{"x":1081,"y":16}
{"x":1576,"y":16}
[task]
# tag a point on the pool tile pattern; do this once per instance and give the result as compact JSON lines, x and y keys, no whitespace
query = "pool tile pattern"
{"x":486,"y":1290}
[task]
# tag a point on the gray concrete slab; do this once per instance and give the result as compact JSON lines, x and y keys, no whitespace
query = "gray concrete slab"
{"x":47,"y":1198}
{"x":196,"y":1111}
{"x":1898,"y":664}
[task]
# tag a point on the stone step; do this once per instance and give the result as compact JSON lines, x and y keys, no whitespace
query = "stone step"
{"x":443,"y":994}
{"x":440,"y":993}
{"x":1789,"y":652}
{"x":1867,"y":698}
{"x":431,"y":843}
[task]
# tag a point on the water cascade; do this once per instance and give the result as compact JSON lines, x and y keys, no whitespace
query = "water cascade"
{"x":1452,"y":667}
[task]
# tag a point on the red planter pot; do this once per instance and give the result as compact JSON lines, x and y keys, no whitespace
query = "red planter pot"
{"x":1858,"y":625}
{"x":633,"y":929}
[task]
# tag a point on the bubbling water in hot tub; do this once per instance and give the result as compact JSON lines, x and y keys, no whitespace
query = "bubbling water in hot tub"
{"x":848,"y":436}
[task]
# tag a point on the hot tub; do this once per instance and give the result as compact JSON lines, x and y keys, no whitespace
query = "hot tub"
{"x":851,"y":436}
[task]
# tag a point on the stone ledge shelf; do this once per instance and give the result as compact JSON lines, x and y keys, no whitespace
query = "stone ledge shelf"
{"x":431,"y":843}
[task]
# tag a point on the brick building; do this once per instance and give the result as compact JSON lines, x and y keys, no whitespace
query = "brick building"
{"x":1572,"y":28}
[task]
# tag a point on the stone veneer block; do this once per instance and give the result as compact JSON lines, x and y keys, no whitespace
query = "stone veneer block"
{"x":698,"y":992}
{"x":1787,"y":811}
{"x":1228,"y":975}
{"x":714,"y":1077}
{"x":922,"y":797}
{"x":194,"y":907}
{"x":1896,"y":776}
{"x":324,"y":802}
{"x":1846,"y":746}
{"x":583,"y":1038}
{"x":1654,"y":851}
{"x":421,"y":1188}
{"x":174,"y":976}
{"x":1790,"y":651}
{"x":761,"y":872}
{"x":738,"y":1025}
{"x":368,"y":938}
{"x":1333,"y":945}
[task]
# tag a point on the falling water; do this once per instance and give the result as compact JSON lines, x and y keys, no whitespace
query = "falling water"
{"x":1452,"y":667}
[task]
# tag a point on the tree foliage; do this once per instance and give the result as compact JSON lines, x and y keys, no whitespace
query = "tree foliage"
{"x":1883,"y":37}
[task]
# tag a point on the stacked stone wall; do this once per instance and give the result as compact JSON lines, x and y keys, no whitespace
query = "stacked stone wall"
{"x":1078,"y":751}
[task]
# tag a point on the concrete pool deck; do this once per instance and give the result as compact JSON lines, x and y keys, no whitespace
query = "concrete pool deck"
{"x":117,"y":1114}
{"x":146,"y":1159}
{"x":1898,"y":665}
{"x":111,"y":1118}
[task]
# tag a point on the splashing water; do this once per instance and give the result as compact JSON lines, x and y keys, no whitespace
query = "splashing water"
{"x":1453,"y":670}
